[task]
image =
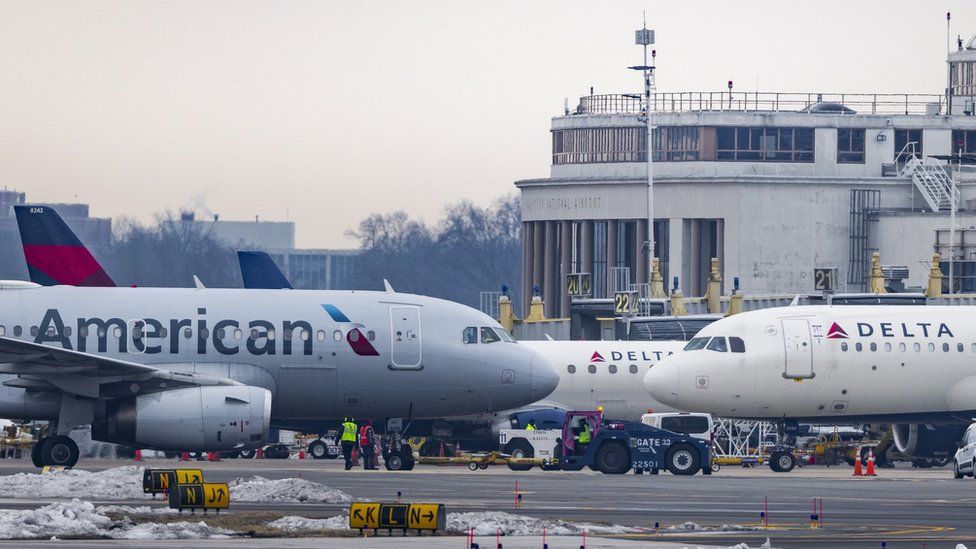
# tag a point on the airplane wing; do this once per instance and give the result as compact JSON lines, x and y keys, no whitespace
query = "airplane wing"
{"x":43,"y":368}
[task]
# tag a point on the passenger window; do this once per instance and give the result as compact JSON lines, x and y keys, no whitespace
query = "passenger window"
{"x":737,"y":345}
{"x":874,"y":346}
{"x":187,"y":333}
{"x":591,"y":368}
{"x":902,"y":347}
{"x":571,"y":369}
{"x":843,"y":346}
{"x":858,"y":347}
{"x":18,"y":331}
{"x":613,"y":368}
{"x":238,"y":334}
{"x":887,"y":347}
{"x":470,"y":335}
{"x":931,"y":347}
{"x":489,"y":336}
{"x":33,"y":331}
{"x":717,"y":344}
{"x":945,"y":347}
{"x":918,"y":347}
{"x":370,"y":335}
{"x":633,"y":368}
{"x":320,"y":335}
{"x":696,"y":344}
{"x":960,"y":347}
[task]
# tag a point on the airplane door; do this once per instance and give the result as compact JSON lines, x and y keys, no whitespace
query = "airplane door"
{"x":405,"y":336}
{"x":799,"y":349}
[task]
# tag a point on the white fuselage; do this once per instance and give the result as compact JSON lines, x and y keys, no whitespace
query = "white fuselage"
{"x":604,"y":373}
{"x":824,"y":364}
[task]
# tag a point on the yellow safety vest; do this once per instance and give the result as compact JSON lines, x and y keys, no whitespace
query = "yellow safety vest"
{"x":349,"y":431}
{"x":530,"y":427}
{"x":585,"y":436}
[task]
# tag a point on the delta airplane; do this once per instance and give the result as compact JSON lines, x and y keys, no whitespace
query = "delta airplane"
{"x":906,"y":365}
{"x":213,"y":369}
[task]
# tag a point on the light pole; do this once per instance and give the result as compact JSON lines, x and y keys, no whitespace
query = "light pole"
{"x":645,"y":37}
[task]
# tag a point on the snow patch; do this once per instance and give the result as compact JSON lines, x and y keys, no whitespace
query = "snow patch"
{"x":81,"y":519}
{"x":172,"y":530}
{"x":111,"y":484}
{"x":292,"y":523}
{"x":285,"y":490}
{"x":486,"y":523}
{"x":694,"y":527}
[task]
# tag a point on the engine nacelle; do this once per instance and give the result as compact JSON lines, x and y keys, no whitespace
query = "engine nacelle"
{"x":926,"y":441}
{"x":216,"y":418}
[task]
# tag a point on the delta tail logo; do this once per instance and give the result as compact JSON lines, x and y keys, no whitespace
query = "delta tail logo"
{"x":597,"y":357}
{"x":836,"y":332}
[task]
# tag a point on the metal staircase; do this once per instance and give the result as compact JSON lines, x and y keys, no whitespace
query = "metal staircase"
{"x":930,"y":179}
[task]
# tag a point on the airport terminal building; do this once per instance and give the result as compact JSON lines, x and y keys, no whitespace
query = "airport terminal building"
{"x":775,"y":185}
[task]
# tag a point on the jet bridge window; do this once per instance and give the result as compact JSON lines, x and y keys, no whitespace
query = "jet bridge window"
{"x":718,"y":344}
{"x":470,"y":335}
{"x":696,"y":344}
{"x":489,"y":336}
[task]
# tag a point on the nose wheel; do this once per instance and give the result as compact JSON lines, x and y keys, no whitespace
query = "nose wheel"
{"x":58,"y":451}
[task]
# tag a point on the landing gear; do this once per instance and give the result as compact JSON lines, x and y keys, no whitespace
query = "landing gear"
{"x":58,"y":450}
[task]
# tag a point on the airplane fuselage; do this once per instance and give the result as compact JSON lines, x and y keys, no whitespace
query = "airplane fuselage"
{"x":829,"y":364}
{"x":322,"y":354}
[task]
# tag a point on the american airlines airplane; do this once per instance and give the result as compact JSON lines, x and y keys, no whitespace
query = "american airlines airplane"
{"x":907,"y":365}
{"x":212,"y":369}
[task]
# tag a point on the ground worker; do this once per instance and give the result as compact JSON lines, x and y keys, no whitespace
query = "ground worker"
{"x":585,"y":436}
{"x":347,"y":439}
{"x":366,"y":446}
{"x":530,"y":426}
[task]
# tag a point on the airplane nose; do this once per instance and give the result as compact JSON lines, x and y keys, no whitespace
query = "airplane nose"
{"x":661,"y":382}
{"x":544,"y":378}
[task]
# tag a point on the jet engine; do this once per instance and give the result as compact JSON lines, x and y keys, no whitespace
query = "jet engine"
{"x":920,"y":440}
{"x":213,"y":418}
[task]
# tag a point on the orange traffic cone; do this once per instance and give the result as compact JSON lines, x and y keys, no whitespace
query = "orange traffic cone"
{"x":259,"y":454}
{"x":871,"y":472}
{"x":857,"y":464}
{"x":214,"y":456}
{"x":137,"y":456}
{"x":355,"y":456}
{"x":185,"y":456}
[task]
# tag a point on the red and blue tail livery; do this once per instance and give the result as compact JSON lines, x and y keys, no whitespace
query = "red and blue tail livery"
{"x":54,"y":254}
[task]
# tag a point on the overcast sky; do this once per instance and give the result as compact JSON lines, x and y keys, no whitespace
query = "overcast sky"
{"x":325,"y":112}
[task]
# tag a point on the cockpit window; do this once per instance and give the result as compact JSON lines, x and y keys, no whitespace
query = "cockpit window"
{"x":718,"y":344}
{"x":696,"y":344}
{"x":506,"y":337}
{"x":489,"y":336}
{"x":470,"y":335}
{"x":737,"y":345}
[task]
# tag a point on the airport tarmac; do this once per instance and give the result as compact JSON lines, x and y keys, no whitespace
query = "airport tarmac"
{"x":903,"y":507}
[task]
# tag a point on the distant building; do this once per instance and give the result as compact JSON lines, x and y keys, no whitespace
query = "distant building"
{"x":775,"y":185}
{"x":257,"y":235}
{"x":318,"y":269}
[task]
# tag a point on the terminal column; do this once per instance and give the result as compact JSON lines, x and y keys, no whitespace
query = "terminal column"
{"x":538,"y":256}
{"x":640,"y":256}
{"x":565,"y":251}
{"x":528,"y":260}
{"x":550,"y":290}
{"x":586,"y":248}
{"x":612,"y":226}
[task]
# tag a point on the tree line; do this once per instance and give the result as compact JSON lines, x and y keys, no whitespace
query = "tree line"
{"x":470,"y":249}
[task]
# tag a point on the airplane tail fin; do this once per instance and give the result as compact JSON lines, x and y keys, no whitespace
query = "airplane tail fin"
{"x":54,"y":254}
{"x":260,"y":272}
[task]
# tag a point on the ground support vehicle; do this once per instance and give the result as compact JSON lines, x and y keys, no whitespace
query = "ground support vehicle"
{"x":615,"y":447}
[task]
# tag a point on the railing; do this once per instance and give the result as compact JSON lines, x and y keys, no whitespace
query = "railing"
{"x":863,"y":103}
